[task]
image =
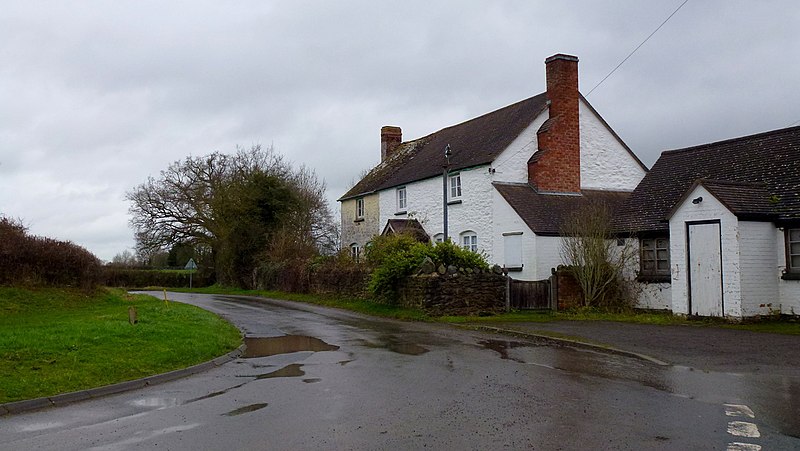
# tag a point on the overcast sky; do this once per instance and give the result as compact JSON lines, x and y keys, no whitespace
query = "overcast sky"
{"x":95,"y":96}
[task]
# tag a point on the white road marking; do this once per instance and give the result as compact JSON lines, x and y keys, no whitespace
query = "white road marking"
{"x":738,"y":410}
{"x":743,"y":429}
{"x":736,"y":446}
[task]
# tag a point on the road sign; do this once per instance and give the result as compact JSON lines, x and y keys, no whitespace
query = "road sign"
{"x":190,"y":264}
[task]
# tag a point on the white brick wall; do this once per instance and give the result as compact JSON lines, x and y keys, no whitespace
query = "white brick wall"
{"x":759,"y":267}
{"x":605,"y":163}
{"x":788,"y":290}
{"x":425,"y":204}
{"x":707,"y":210}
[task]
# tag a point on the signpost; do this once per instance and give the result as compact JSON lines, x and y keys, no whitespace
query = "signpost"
{"x":192,"y":267}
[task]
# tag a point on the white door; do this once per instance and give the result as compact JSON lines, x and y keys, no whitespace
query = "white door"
{"x":705,"y":269}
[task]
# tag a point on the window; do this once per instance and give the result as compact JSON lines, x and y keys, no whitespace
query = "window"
{"x":512,"y":250}
{"x":355,"y":251}
{"x":438,"y":238}
{"x":360,"y":208}
{"x":793,"y":251}
{"x":455,"y":186}
{"x":654,"y":257}
{"x":469,"y":241}
{"x":401,"y":199}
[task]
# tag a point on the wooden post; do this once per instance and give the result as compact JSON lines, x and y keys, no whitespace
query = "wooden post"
{"x":132,"y":317}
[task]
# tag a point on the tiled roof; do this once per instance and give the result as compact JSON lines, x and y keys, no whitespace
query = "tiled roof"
{"x":473,"y":143}
{"x":545,"y":213}
{"x":408,"y":226}
{"x":754,"y":167}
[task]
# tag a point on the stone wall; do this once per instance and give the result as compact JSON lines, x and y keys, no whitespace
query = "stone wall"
{"x":463,"y":292}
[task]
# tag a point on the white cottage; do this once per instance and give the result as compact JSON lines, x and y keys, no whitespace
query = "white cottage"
{"x":513,"y":175}
{"x":719,"y":227}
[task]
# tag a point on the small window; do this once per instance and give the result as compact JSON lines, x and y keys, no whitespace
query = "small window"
{"x":360,"y":208}
{"x":401,"y":199}
{"x":455,"y":186}
{"x":469,"y":241}
{"x":793,"y":250}
{"x":438,"y":238}
{"x":355,"y":251}
{"x":654,"y":257}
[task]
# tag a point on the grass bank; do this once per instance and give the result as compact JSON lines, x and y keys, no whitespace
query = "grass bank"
{"x":779,"y":326}
{"x":59,"y":340}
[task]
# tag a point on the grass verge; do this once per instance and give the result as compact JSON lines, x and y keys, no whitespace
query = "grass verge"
{"x":778,"y":326}
{"x":60,"y":340}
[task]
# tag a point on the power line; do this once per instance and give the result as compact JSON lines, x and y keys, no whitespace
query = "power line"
{"x":637,"y":47}
{"x":793,"y":124}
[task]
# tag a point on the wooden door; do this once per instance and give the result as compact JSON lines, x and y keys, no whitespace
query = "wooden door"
{"x":705,"y":269}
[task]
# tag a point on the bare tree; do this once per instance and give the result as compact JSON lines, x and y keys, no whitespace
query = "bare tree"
{"x":595,"y":257}
{"x":233,"y":205}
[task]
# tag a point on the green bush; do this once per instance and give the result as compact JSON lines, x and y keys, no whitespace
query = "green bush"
{"x":27,"y":260}
{"x":142,"y":278}
{"x":396,"y":257}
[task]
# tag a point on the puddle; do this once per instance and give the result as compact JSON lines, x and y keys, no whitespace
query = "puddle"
{"x":214,"y":394}
{"x":292,"y":370}
{"x":246,"y":409}
{"x":502,"y":347}
{"x":312,"y":380}
{"x":406,"y":348}
{"x":396,"y":346}
{"x":267,"y":346}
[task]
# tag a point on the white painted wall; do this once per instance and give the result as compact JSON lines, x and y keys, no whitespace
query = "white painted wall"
{"x":548,"y":255}
{"x":709,"y":209}
{"x":759,"y":268}
{"x":507,"y":221}
{"x":512,"y":164}
{"x":648,"y":295}
{"x":788,"y":290}
{"x":425,"y":205}
{"x":605,"y":163}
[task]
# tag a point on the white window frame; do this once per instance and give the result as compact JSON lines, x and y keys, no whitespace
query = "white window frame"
{"x":438,"y":238}
{"x":454,"y":184}
{"x":359,"y":208}
{"x":469,"y":240}
{"x":402,"y":199}
{"x":355,"y":252}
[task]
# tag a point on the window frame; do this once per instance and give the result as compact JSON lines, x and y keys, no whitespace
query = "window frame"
{"x":438,"y":238}
{"x":360,"y":209}
{"x":355,"y":252}
{"x":401,"y":198}
{"x":454,"y":184}
{"x":792,"y":271}
{"x":654,"y":274}
{"x":473,"y":237}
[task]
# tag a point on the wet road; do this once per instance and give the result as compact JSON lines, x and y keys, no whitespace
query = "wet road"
{"x":327,"y":379}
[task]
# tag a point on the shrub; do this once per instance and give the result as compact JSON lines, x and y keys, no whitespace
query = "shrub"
{"x":397,"y":256}
{"x":38,"y":261}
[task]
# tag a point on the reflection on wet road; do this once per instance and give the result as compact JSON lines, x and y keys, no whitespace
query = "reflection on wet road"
{"x":314,"y":378}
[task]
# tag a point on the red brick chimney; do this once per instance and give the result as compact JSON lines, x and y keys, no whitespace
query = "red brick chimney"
{"x":556,"y":166}
{"x":391,"y":137}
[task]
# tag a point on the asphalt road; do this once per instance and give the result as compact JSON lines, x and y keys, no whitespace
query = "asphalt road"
{"x":328,"y":379}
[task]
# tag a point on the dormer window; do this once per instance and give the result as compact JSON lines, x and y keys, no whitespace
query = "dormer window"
{"x":359,"y":208}
{"x":402,"y":200}
{"x":455,"y":186}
